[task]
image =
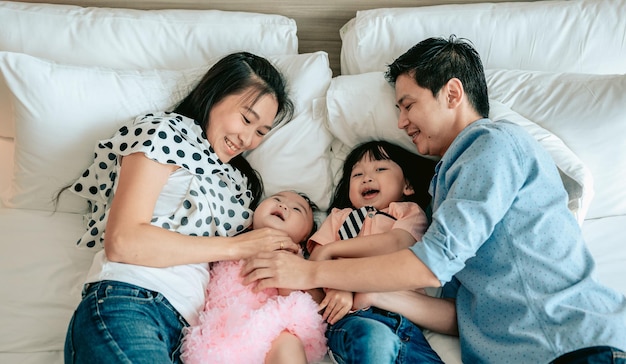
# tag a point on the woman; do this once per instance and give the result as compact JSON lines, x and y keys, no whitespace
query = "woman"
{"x":171,"y":191}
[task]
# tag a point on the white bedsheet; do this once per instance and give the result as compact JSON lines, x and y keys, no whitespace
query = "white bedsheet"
{"x":6,"y":164}
{"x":43,"y":271}
{"x":603,"y":236}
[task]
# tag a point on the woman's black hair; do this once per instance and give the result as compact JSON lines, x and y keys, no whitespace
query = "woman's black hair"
{"x":234,"y":74}
{"x":417,"y":170}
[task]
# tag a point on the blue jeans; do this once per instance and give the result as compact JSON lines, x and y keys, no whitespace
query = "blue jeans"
{"x":378,"y":337}
{"x":121,"y":323}
{"x":593,"y":355}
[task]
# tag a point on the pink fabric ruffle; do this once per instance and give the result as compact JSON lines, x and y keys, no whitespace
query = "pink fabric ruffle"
{"x":239,"y":325}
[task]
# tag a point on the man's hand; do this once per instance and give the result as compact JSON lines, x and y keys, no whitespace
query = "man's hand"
{"x":279,"y":269}
{"x":321,"y":252}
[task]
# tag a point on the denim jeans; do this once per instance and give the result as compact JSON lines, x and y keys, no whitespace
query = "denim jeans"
{"x":121,"y":323}
{"x":378,"y":337}
{"x":593,"y":355}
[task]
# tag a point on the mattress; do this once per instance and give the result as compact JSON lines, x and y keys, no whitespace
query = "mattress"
{"x":6,"y":164}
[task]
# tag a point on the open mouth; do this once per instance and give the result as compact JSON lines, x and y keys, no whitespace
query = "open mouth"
{"x":369,"y":193}
{"x":279,"y":214}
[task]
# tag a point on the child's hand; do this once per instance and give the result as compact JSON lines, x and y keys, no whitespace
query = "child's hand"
{"x":336,"y":304}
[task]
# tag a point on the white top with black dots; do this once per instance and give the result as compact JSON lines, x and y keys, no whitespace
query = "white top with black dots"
{"x":204,"y":197}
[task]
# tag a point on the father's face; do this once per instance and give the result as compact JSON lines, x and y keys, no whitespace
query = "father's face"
{"x":425,"y":118}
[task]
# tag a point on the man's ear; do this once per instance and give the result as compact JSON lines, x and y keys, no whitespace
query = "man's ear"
{"x":454,"y":92}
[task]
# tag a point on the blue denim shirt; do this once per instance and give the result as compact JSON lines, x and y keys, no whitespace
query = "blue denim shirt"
{"x":501,"y":227}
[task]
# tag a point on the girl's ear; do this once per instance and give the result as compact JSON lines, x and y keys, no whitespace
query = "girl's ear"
{"x":408,"y":189}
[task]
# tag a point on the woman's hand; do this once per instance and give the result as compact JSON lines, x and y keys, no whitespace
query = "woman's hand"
{"x":262,"y":240}
{"x":336,"y":304}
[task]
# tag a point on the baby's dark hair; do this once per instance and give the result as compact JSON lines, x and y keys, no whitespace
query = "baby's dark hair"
{"x":314,"y":209}
{"x":417,"y":170}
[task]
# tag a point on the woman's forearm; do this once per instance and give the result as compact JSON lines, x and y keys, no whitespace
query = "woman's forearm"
{"x":156,"y":247}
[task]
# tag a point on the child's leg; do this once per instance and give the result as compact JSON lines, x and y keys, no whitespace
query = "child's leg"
{"x":286,"y":348}
{"x":415,"y":348}
{"x":364,"y":338}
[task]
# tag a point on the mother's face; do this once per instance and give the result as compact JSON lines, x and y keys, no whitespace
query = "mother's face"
{"x":239,"y":122}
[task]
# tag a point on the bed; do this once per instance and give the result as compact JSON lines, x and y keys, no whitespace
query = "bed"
{"x":70,"y":72}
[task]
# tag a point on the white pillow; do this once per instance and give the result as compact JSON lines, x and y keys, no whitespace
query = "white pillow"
{"x":137,"y":39}
{"x":60,"y":112}
{"x":585,"y":36}
{"x":607,"y":248}
{"x":361,"y":107}
{"x":297,"y":155}
{"x":586,"y":112}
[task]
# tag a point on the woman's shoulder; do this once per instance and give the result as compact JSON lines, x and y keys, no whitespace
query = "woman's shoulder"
{"x":159,"y":117}
{"x":166,"y":127}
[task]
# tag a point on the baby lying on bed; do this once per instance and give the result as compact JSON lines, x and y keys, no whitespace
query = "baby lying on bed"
{"x":239,"y":325}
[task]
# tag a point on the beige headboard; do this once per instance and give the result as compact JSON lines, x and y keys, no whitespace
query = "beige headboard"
{"x":318,"y":21}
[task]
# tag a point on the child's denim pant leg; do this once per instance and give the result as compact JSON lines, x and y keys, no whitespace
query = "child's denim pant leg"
{"x":378,"y":336}
{"x":593,"y":355}
{"x":122,"y":323}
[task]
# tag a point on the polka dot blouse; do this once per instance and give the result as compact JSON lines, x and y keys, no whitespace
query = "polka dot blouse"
{"x":217,"y":200}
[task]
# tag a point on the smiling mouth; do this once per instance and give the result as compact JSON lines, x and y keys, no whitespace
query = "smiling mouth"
{"x":369,"y":193}
{"x":234,"y":149}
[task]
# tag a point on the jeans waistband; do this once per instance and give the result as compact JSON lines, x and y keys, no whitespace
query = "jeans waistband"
{"x":380,"y":311}
{"x":95,"y":286}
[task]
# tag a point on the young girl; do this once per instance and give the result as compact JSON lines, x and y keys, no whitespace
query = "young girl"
{"x":173,"y":192}
{"x":271,"y":326}
{"x":390,"y":184}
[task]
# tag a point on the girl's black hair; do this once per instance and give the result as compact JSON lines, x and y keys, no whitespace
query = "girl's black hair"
{"x":234,"y":74}
{"x":417,"y":170}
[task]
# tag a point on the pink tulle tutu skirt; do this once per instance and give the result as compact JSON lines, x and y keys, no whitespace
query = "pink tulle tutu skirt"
{"x":238,"y":325}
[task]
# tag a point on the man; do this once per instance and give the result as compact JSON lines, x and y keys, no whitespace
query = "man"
{"x":501,"y":233}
